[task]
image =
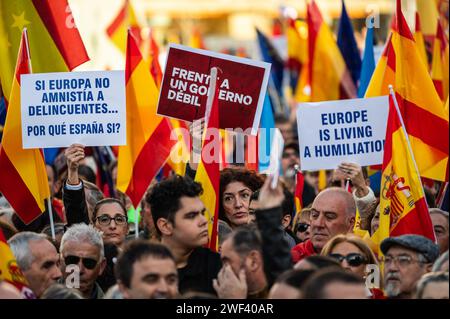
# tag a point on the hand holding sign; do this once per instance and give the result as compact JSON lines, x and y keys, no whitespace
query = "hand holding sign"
{"x":74,"y":155}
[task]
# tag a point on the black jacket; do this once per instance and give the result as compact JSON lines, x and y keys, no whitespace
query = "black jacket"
{"x":202,"y":267}
{"x":75,"y":206}
{"x":276,"y":252}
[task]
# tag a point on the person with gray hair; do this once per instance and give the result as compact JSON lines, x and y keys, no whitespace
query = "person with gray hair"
{"x":439,"y":218}
{"x":406,"y":259}
{"x":38,"y":259}
{"x":433,"y":286}
{"x":333,"y":212}
{"x":441,"y":264}
{"x":58,"y":291}
{"x":82,"y":259}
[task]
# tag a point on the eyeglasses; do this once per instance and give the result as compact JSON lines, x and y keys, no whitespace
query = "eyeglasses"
{"x":89,"y":263}
{"x":354,"y":259}
{"x":105,"y":220}
{"x":402,"y":261}
{"x":302,"y":227}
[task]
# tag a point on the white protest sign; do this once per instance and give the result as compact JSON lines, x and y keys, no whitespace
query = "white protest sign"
{"x":59,"y":109}
{"x":276,"y":152}
{"x":332,"y":132}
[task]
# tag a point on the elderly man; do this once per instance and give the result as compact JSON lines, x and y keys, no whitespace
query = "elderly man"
{"x":242,"y":274}
{"x":37,"y":258}
{"x":333,"y":212}
{"x":439,"y":218}
{"x":82,"y":259}
{"x":146,"y":270}
{"x":406,"y":259}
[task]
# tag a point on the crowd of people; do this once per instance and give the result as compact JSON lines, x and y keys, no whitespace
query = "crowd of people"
{"x":266,"y":249}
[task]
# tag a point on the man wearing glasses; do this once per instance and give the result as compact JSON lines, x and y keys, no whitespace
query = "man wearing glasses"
{"x":406,"y":259}
{"x":82,"y":260}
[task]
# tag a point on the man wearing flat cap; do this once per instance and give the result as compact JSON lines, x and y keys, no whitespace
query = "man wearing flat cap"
{"x":406,"y":259}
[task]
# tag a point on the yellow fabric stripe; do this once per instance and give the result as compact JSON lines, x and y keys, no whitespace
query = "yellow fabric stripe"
{"x":29,"y":163}
{"x":381,"y":78}
{"x":418,"y":37}
{"x":209,"y":195}
{"x":45,"y":56}
{"x":428,"y":15}
{"x":142,"y":97}
{"x":328,"y":67}
{"x":119,"y":37}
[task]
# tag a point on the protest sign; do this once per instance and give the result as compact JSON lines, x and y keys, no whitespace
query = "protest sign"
{"x":242,"y":87}
{"x":332,"y":132}
{"x":59,"y":109}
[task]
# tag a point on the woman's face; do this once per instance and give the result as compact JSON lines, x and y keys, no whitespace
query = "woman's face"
{"x":235,"y":199}
{"x":350,"y":257}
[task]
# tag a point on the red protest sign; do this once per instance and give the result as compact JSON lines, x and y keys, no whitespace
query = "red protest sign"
{"x":242,"y":87}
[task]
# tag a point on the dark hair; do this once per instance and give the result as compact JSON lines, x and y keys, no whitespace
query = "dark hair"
{"x":429,"y":197}
{"x":246,"y":239}
{"x":281,"y":119}
{"x":8,"y":231}
{"x":320,"y":262}
{"x":315,"y":286}
{"x":287,"y":206}
{"x":104,"y":201}
{"x":164,"y":197}
{"x":134,"y":251}
{"x":292,"y":145}
{"x":255,"y":195}
{"x":295,"y":278}
{"x":229,"y":175}
{"x":87,"y":173}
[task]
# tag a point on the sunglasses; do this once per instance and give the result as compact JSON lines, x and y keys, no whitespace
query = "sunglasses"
{"x":354,"y":260}
{"x":302,"y":227}
{"x":89,"y":263}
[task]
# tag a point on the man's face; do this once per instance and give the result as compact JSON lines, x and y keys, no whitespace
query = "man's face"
{"x":191,"y":225}
{"x":285,"y":130}
{"x":91,"y":254}
{"x":44,"y":270}
{"x":231,"y":257}
{"x":153,"y":278}
{"x":113,"y":232}
{"x":340,"y":290}
{"x":328,"y":218}
{"x":147,"y":218}
{"x":289,"y":159}
{"x":440,"y":224}
{"x":253,"y":207}
{"x":402,"y":272}
{"x":312,"y":178}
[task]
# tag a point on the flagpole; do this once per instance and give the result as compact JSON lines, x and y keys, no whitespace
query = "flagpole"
{"x":408,"y":143}
{"x":136,"y":223}
{"x":49,"y":201}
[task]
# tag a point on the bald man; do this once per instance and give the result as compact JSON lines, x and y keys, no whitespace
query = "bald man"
{"x":333,"y":212}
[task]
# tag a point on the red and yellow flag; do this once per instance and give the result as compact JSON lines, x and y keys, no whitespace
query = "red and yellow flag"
{"x":55,"y":42}
{"x":10,"y":271}
{"x":148,"y":135}
{"x":429,"y":15}
{"x":425,"y":119}
{"x":117,"y":30}
{"x":329,"y":76}
{"x":298,"y":193}
{"x":196,"y":39}
{"x":208,"y":171}
{"x":403,"y":208}
{"x":440,"y":64}
{"x":418,"y":37}
{"x":23,"y":174}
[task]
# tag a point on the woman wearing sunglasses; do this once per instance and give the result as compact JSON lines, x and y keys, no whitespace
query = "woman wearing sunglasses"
{"x":354,"y":255}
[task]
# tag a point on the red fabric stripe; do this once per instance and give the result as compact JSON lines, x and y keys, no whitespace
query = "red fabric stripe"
{"x":401,"y":26}
{"x":16,"y":191}
{"x":417,"y":222}
{"x":424,"y":125}
{"x":441,"y":36}
{"x":134,"y":56}
{"x":439,"y":88}
{"x":22,"y":64}
{"x":300,"y":184}
{"x":55,"y":16}
{"x":120,"y":18}
{"x":314,"y":20}
{"x":150,"y":160}
{"x":390,"y":54}
{"x":418,"y":28}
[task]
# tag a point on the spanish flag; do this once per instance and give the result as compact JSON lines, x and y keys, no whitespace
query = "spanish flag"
{"x":429,"y":15}
{"x":55,"y":42}
{"x":298,"y":193}
{"x":23,"y":175}
{"x":297,"y":50}
{"x":403,"y":208}
{"x":425,"y":119}
{"x":10,"y":271}
{"x":418,"y":37}
{"x":148,"y":135}
{"x":117,"y":30}
{"x":440,"y":64}
{"x":329,"y":76}
{"x":208,"y":171}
